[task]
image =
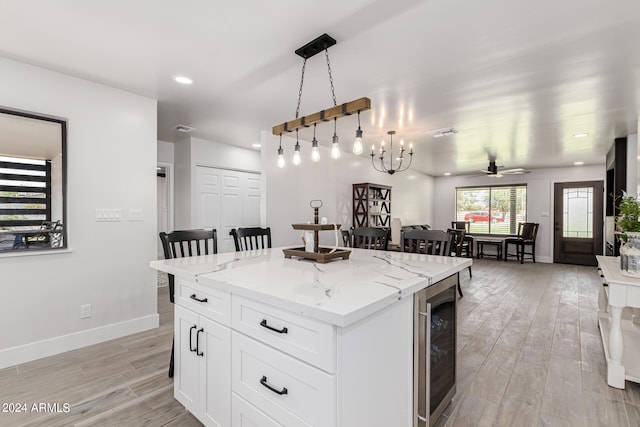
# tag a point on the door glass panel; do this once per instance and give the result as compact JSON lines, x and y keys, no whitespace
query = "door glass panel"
{"x":578,"y":212}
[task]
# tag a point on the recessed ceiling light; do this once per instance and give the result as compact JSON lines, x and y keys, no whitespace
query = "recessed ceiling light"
{"x":256,"y":145}
{"x":580,"y":135}
{"x":183,"y":80}
{"x":447,"y":173}
{"x":578,"y":163}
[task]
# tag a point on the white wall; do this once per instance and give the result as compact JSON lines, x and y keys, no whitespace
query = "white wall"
{"x":289,"y":190}
{"x":539,"y":197}
{"x":165,"y":152}
{"x":111,"y":158}
{"x":192,"y":152}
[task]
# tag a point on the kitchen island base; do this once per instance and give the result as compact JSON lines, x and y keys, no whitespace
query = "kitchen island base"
{"x":272,"y":341}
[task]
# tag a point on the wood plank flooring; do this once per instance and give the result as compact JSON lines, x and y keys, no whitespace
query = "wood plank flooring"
{"x":528,"y":344}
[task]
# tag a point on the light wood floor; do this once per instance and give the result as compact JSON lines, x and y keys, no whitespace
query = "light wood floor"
{"x":529,"y":355}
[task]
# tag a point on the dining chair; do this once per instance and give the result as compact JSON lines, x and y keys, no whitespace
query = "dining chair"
{"x":250,"y":238}
{"x":371,"y":238}
{"x":527,"y":233}
{"x":433,"y":242}
{"x":455,"y":249}
{"x":186,"y":243}
{"x":469,"y":241}
{"x":346,"y":237}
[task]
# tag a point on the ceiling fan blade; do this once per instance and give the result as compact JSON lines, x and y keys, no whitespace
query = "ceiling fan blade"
{"x":515,"y":171}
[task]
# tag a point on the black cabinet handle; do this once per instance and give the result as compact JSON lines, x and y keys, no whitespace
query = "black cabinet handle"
{"x":198,"y":352}
{"x":190,"y":338}
{"x":284,"y":330}
{"x":284,"y":390}
{"x":195,"y":298}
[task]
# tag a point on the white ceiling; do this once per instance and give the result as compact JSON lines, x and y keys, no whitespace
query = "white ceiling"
{"x":515,"y":78}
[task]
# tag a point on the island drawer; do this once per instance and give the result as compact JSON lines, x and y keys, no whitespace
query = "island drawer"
{"x":302,"y":337}
{"x":290,"y":391}
{"x":244,"y":414}
{"x":210,"y":303}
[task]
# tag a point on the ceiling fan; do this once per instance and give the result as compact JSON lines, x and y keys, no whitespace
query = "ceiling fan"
{"x":496,"y":171}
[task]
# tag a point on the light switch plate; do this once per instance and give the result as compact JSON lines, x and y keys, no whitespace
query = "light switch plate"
{"x":108,"y":215}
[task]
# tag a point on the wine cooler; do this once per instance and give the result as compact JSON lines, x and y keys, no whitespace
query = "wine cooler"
{"x":434,"y":351}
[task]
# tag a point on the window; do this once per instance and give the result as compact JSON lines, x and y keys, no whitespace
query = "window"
{"x":492,"y":209}
{"x":577,"y":212}
{"x":32,"y":182}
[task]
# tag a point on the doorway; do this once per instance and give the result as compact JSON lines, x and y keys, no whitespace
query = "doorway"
{"x":578,"y":222}
{"x":164,"y":180}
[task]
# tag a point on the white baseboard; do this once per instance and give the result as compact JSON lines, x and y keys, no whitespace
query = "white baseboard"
{"x":39,"y":349}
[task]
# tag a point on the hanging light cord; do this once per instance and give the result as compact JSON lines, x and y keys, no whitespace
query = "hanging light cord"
{"x":304,"y":63}
{"x":333,"y":91}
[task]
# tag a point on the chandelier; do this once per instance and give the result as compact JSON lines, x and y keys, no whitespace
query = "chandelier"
{"x":383,"y":166}
{"x":324,"y":42}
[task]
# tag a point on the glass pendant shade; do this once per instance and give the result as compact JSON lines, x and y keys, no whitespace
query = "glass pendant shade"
{"x":357,"y":143}
{"x":281,"y":162}
{"x":315,"y":152}
{"x":296,"y":154}
{"x":335,"y":147}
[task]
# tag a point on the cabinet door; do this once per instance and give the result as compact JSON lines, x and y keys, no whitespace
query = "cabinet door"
{"x":186,"y":378}
{"x":215,"y":387}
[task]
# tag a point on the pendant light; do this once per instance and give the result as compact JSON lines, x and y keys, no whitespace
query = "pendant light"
{"x":296,"y":151}
{"x":315,"y":152}
{"x":281,"y":162}
{"x":357,"y":143}
{"x":335,"y":147}
{"x":318,"y":45}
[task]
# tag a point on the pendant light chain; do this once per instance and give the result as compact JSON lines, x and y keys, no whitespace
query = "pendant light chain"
{"x":333,"y":91}
{"x":300,"y":91}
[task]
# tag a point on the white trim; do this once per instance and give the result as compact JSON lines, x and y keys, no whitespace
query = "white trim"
{"x":208,"y":165}
{"x":18,"y":253}
{"x":50,"y":346}
{"x":170,"y":190}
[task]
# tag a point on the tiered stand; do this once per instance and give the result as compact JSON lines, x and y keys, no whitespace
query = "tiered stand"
{"x":319,"y":254}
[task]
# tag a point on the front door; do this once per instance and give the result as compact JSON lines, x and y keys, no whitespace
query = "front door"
{"x":578,"y":222}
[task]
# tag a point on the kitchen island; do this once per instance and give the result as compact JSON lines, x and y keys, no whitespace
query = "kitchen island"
{"x":272,"y":341}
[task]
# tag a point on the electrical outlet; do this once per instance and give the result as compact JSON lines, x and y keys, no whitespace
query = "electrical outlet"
{"x":85,"y":311}
{"x":135,"y":214}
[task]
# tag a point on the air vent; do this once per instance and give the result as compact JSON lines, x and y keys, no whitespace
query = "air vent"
{"x":184,"y":128}
{"x":439,"y":133}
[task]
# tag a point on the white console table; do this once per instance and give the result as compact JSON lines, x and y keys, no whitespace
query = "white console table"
{"x":620,"y":336}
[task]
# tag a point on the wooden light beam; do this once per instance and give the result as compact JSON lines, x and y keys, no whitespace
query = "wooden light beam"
{"x":346,"y":109}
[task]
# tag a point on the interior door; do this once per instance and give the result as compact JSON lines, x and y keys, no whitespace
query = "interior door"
{"x":578,"y":220}
{"x":226,"y":199}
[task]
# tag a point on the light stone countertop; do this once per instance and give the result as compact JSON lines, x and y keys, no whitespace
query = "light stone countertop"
{"x":339,"y":292}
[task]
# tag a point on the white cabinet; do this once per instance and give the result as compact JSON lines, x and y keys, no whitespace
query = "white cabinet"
{"x":202,"y":380}
{"x":258,"y":365}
